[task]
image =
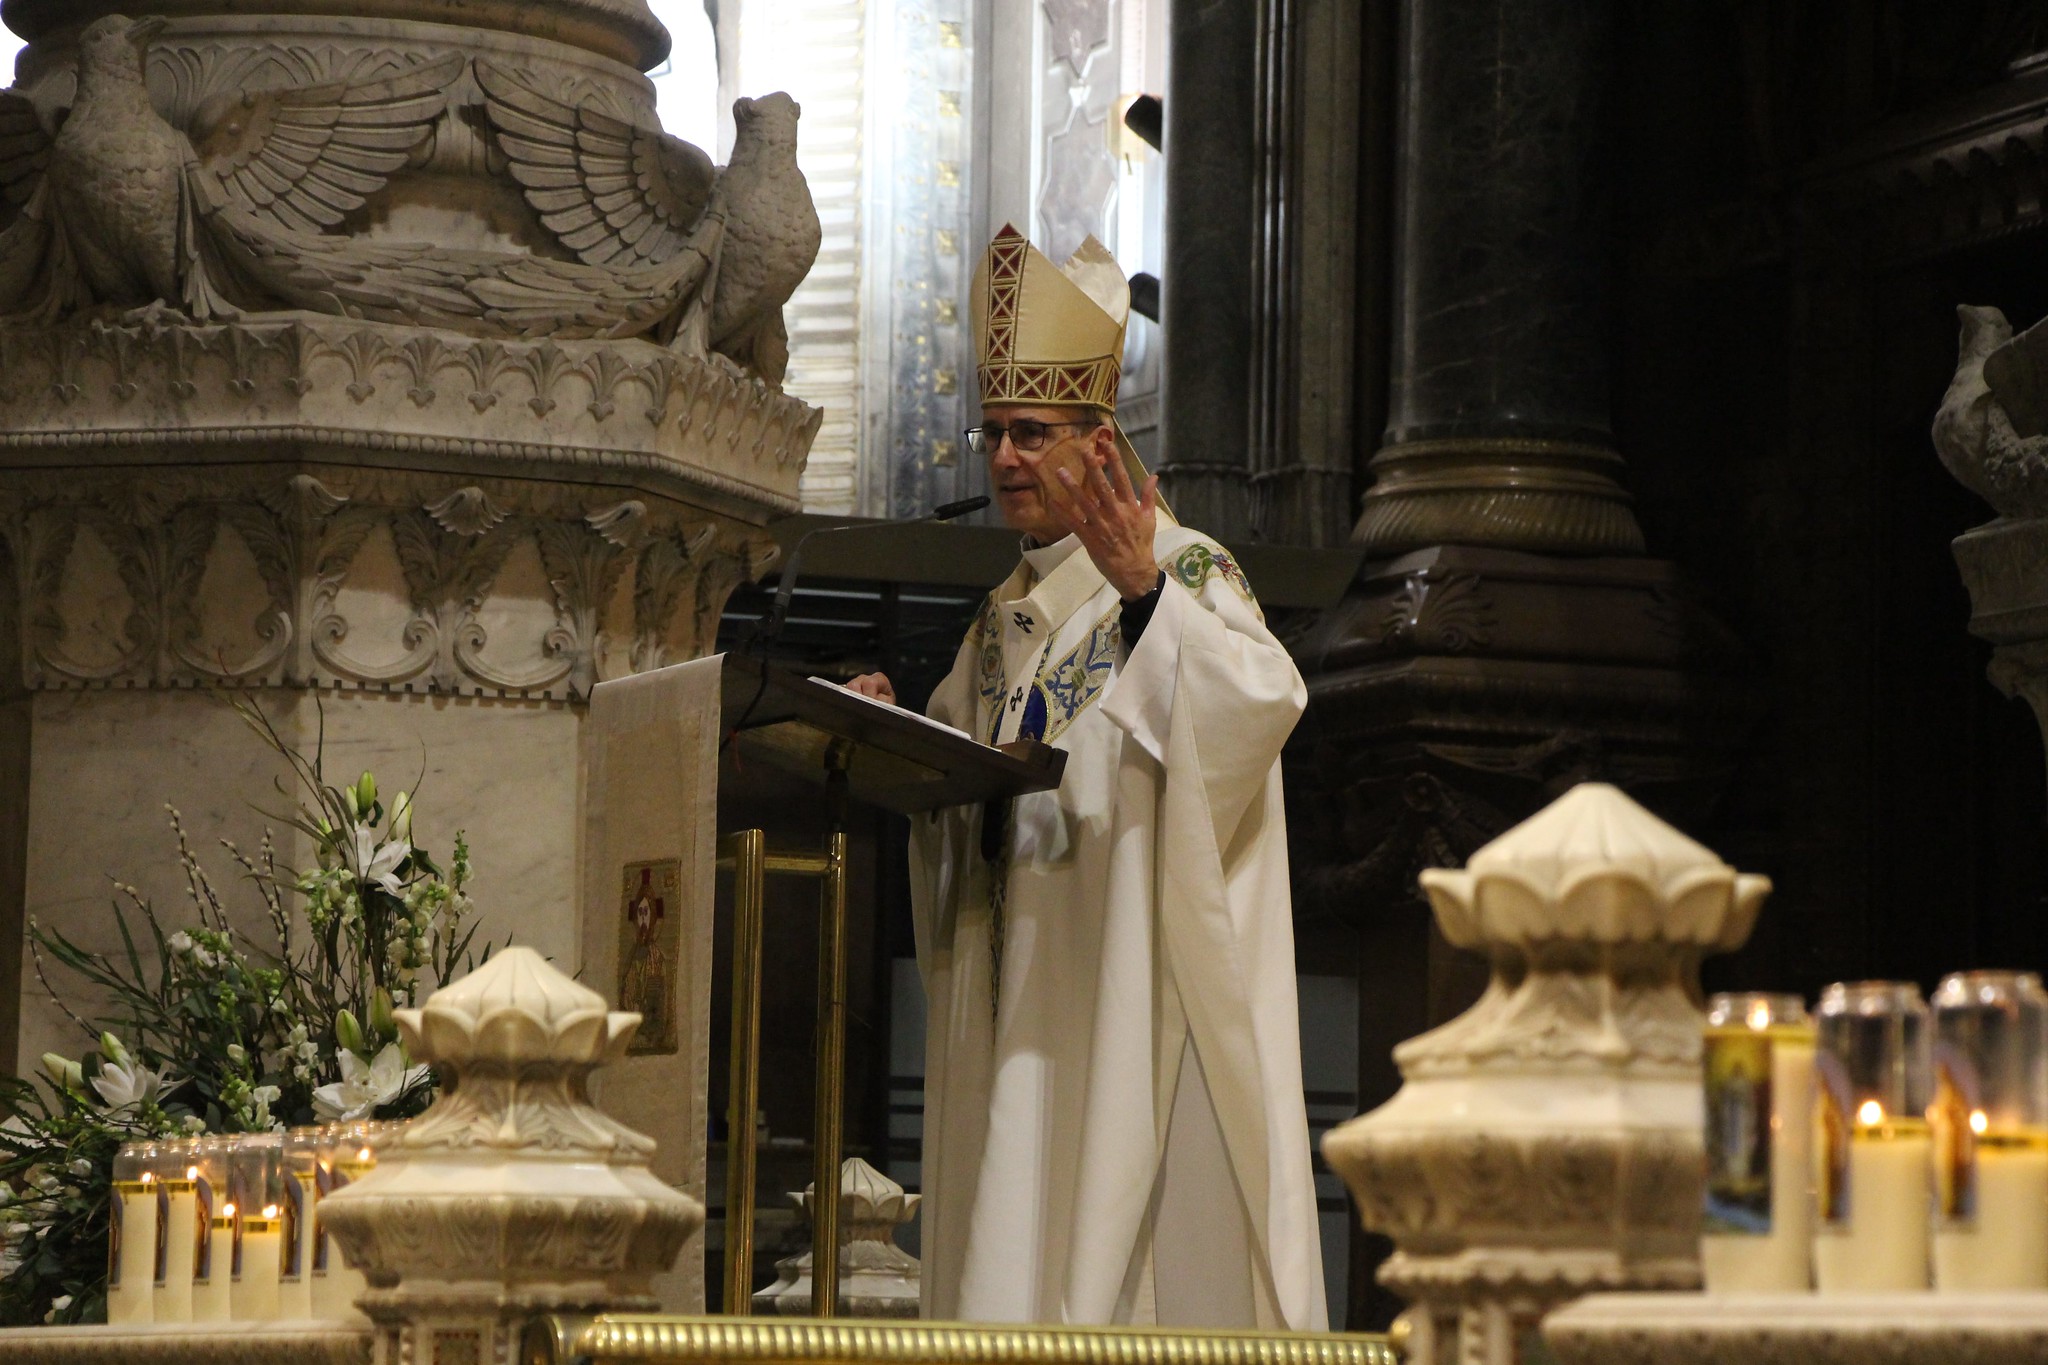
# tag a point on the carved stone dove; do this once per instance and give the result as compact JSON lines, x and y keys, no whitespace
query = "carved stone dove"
{"x":615,"y":192}
{"x":122,"y":209}
{"x":771,"y":235}
{"x":110,"y":205}
{"x":1989,"y":429}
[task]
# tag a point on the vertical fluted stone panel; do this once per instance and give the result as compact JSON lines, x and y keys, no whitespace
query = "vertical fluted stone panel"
{"x":1498,"y":428}
{"x":1207,"y":316}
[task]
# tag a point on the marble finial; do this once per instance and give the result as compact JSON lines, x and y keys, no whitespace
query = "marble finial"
{"x":868,"y":1199}
{"x":517,"y":1007}
{"x":1595,"y":866}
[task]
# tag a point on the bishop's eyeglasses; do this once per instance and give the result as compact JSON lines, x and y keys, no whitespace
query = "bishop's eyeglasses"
{"x":1024,"y":434}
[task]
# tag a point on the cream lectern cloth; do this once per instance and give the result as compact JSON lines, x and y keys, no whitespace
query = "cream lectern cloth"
{"x":650,"y":795}
{"x":1116,"y":1132}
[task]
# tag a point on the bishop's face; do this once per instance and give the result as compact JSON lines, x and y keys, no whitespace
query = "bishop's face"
{"x":1019,"y":477}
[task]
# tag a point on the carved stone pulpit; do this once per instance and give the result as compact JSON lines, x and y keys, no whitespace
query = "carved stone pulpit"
{"x":384,"y":358}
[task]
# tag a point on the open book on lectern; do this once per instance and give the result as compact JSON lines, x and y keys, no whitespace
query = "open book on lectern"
{"x":896,"y":759}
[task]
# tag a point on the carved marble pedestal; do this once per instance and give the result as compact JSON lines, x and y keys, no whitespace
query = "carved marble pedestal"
{"x":877,"y":1279}
{"x":1546,"y":1143}
{"x":512,"y":1195}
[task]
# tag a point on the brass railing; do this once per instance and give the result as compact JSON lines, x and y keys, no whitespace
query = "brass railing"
{"x":639,"y":1339}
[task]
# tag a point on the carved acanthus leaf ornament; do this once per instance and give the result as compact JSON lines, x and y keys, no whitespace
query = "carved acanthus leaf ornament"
{"x":340,"y":577}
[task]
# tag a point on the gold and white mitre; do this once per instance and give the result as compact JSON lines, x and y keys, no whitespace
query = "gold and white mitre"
{"x":1048,"y":334}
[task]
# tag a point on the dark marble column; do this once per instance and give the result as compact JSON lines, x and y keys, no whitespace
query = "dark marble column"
{"x":1207,"y":317}
{"x":1498,"y":429}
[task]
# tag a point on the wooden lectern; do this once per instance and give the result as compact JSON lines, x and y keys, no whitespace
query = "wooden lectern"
{"x":858,"y":750}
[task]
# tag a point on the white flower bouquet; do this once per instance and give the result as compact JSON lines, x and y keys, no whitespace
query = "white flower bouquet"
{"x":207,"y":1030}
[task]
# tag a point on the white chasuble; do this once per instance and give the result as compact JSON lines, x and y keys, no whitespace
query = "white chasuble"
{"x":1114,"y":1129}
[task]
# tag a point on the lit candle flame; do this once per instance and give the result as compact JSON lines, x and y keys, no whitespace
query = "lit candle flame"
{"x":365,"y":1154}
{"x":1870,"y":1113}
{"x":191,"y":1172}
{"x":1979,"y":1121}
{"x":149,"y":1177}
{"x":227,"y":1210}
{"x":1760,"y":1015}
{"x":270,"y":1210}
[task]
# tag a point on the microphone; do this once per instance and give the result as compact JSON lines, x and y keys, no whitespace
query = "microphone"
{"x":771,"y":625}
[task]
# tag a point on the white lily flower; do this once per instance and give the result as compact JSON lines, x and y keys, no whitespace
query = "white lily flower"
{"x":65,"y":1072}
{"x":379,"y":862}
{"x":365,"y":1085}
{"x":124,"y":1087}
{"x":180,"y":942}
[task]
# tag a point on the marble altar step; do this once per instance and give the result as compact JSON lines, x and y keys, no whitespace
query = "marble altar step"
{"x":1801,"y":1329}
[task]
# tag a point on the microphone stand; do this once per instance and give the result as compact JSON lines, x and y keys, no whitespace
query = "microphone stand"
{"x":770,"y":626}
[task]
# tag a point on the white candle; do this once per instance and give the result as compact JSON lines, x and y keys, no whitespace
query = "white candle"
{"x":131,"y":1251}
{"x":213,"y":1269}
{"x":295,"y":1279}
{"x":259,"y":1258}
{"x":182,"y":1232}
{"x":1779,"y":1260}
{"x":2003,"y":1242}
{"x":1881,"y":1243}
{"x":339,"y":1285}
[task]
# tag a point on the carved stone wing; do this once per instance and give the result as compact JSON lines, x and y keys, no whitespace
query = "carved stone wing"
{"x":419,"y":282}
{"x":24,"y":151}
{"x":34,"y":268}
{"x":614,"y":193}
{"x":307,"y":156}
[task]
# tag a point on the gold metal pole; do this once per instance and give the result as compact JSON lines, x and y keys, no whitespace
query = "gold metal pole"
{"x":831,"y":1081}
{"x":743,"y":1082}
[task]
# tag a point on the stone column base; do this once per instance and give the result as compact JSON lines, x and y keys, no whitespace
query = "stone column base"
{"x":1543,"y":497}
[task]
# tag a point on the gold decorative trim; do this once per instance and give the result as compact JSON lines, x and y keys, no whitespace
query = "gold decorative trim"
{"x":191,"y":1343}
{"x":629,"y":1339}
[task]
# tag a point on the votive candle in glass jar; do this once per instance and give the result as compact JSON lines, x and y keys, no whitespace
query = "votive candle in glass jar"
{"x":301,"y":1176}
{"x":213,"y":1257}
{"x":1990,"y":1124}
{"x":255,"y":1174}
{"x":180,"y":1234}
{"x":1872,"y":1149}
{"x":352,"y":1155}
{"x":131,"y":1237}
{"x":256,"y":1282}
{"x":1757,"y":1234}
